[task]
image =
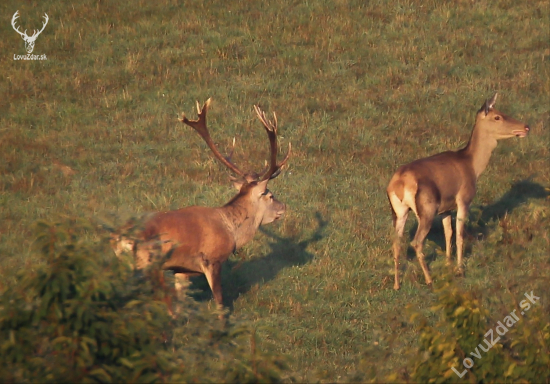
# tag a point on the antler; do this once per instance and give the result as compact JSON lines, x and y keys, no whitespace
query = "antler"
{"x":271,"y":129}
{"x":24,"y":34}
{"x":199,"y":125}
{"x":35,"y":34}
{"x":15,"y":16}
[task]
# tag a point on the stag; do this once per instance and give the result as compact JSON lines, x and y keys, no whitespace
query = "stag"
{"x":197,"y":240}
{"x":29,"y":40}
{"x":445,"y":182}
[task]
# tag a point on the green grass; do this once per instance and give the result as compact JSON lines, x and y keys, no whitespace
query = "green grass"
{"x":359,"y":89}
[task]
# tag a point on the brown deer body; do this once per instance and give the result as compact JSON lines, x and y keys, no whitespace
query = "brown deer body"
{"x":445,"y":182}
{"x":200,"y":239}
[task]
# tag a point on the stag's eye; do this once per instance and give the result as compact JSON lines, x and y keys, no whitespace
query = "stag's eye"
{"x":497,"y":117}
{"x":268,"y":195}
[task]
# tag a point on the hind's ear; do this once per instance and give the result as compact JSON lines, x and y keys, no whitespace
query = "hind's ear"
{"x":489,"y":104}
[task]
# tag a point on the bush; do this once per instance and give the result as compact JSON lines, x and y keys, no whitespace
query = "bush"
{"x":82,"y":315}
{"x":522,"y":352}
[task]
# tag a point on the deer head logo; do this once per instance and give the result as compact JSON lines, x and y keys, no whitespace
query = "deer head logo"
{"x":29,"y":40}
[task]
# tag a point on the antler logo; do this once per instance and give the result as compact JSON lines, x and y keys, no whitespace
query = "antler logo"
{"x":29,"y":40}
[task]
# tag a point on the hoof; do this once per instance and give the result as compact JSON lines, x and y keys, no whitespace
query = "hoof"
{"x":459,"y":272}
{"x":396,"y":287}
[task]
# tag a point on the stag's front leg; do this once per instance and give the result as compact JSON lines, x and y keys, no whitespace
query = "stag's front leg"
{"x":212,"y":271}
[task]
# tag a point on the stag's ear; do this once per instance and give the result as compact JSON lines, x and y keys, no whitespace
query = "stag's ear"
{"x":262,"y":185}
{"x":237,"y":183}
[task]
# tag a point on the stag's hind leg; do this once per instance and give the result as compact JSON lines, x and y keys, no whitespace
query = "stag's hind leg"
{"x":212,"y":271}
{"x":400,"y":212}
{"x":181,"y":282}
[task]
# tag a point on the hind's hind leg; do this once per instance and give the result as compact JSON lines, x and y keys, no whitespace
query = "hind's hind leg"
{"x":400,"y":212}
{"x":426,"y":208}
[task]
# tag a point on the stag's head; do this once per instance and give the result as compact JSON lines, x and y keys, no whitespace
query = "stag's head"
{"x":29,"y":40}
{"x":252,"y":187}
{"x":259,"y":199}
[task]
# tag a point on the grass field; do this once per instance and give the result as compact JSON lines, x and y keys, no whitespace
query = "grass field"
{"x":359,"y":88}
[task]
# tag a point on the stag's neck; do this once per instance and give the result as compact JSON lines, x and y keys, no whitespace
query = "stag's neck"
{"x":479,"y":150}
{"x":241,"y":221}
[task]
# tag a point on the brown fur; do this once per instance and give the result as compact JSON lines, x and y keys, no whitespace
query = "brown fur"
{"x":197,"y":240}
{"x":445,"y":182}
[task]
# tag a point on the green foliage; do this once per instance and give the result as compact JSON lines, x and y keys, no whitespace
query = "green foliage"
{"x":359,"y":88}
{"x":521,"y":353}
{"x":83,"y":315}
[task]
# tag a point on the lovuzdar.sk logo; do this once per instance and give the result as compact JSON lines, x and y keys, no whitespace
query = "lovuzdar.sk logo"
{"x":29,"y":40}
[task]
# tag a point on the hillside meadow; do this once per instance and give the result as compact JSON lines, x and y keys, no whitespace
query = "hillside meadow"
{"x":359,"y":88}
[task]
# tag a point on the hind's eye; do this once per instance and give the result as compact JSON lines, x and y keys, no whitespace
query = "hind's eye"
{"x":497,"y":117}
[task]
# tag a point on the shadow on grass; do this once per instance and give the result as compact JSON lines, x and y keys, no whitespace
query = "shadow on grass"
{"x":481,"y":219}
{"x":490,"y":215}
{"x":238,"y":277}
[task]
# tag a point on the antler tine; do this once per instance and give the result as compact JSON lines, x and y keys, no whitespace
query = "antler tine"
{"x":228,"y":157}
{"x":43,"y":25}
{"x":199,"y":125}
{"x":271,"y":129}
{"x":16,"y":16}
{"x":282,"y":163}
